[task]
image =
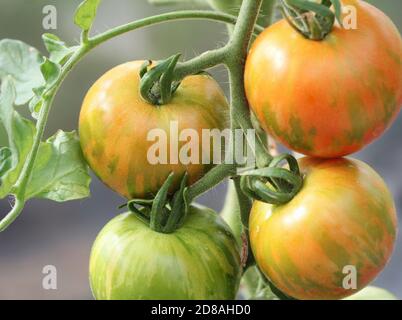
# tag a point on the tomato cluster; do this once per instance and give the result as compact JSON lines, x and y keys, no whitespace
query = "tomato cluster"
{"x":323,"y":99}
{"x":319,"y":98}
{"x":201,"y":260}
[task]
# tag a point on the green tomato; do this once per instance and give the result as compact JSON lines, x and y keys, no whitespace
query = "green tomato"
{"x":201,"y":260}
{"x":372,"y":293}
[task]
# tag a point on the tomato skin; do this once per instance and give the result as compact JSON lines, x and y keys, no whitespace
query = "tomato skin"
{"x":327,"y":98}
{"x":201,"y":260}
{"x":115,"y":122}
{"x":343,"y":216}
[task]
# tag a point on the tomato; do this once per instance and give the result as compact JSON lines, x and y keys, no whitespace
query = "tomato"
{"x":343,"y":218}
{"x":201,"y":260}
{"x":332,"y":97}
{"x":372,"y":293}
{"x":115,"y":122}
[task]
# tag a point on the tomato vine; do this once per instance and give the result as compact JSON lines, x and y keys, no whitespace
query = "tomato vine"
{"x":204,"y":61}
{"x":56,"y":169}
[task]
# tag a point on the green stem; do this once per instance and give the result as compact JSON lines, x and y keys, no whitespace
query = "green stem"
{"x":239,"y":45}
{"x":240,"y":113}
{"x":213,"y":177}
{"x":231,"y":211}
{"x":13,"y":214}
{"x":170,"y":16}
{"x":266,"y":12}
{"x":204,"y":61}
{"x":245,"y":203}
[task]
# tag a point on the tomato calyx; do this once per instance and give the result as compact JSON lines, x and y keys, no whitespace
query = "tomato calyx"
{"x":273,"y":184}
{"x":163,"y":214}
{"x":313,"y":20}
{"x":157,"y":84}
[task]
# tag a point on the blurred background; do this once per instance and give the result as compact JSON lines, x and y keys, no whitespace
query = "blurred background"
{"x":48,"y":233}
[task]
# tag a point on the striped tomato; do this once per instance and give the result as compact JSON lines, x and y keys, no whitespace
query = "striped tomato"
{"x":343,"y":220}
{"x":332,"y":97}
{"x":115,"y":123}
{"x":201,"y":260}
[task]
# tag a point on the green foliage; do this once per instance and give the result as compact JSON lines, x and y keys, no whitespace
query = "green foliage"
{"x":21,"y":62}
{"x":20,"y":134}
{"x":85,"y":14}
{"x":59,"y":173}
{"x":59,"y":51}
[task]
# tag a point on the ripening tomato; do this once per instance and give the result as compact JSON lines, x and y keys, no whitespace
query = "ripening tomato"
{"x":332,"y":97}
{"x":337,"y":232}
{"x":116,"y":123}
{"x":201,"y":260}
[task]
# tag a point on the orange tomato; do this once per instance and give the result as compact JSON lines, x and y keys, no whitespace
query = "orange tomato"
{"x":332,"y":97}
{"x":115,"y":122}
{"x":337,"y":232}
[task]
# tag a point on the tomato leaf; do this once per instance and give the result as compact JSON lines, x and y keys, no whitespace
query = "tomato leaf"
{"x":20,"y":134}
{"x":36,"y":102}
{"x":60,"y":172}
{"x":86,"y":13}
{"x":58,"y":50}
{"x":22,"y":62}
{"x":50,"y":72}
{"x":5,"y":160}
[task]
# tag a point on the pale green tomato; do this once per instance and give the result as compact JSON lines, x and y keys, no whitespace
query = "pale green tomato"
{"x":201,"y":260}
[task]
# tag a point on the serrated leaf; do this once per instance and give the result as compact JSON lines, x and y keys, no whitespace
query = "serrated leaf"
{"x":58,"y":50}
{"x":50,"y":72}
{"x":60,"y":172}
{"x":20,"y":133}
{"x":86,"y":13}
{"x":21,"y":62}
